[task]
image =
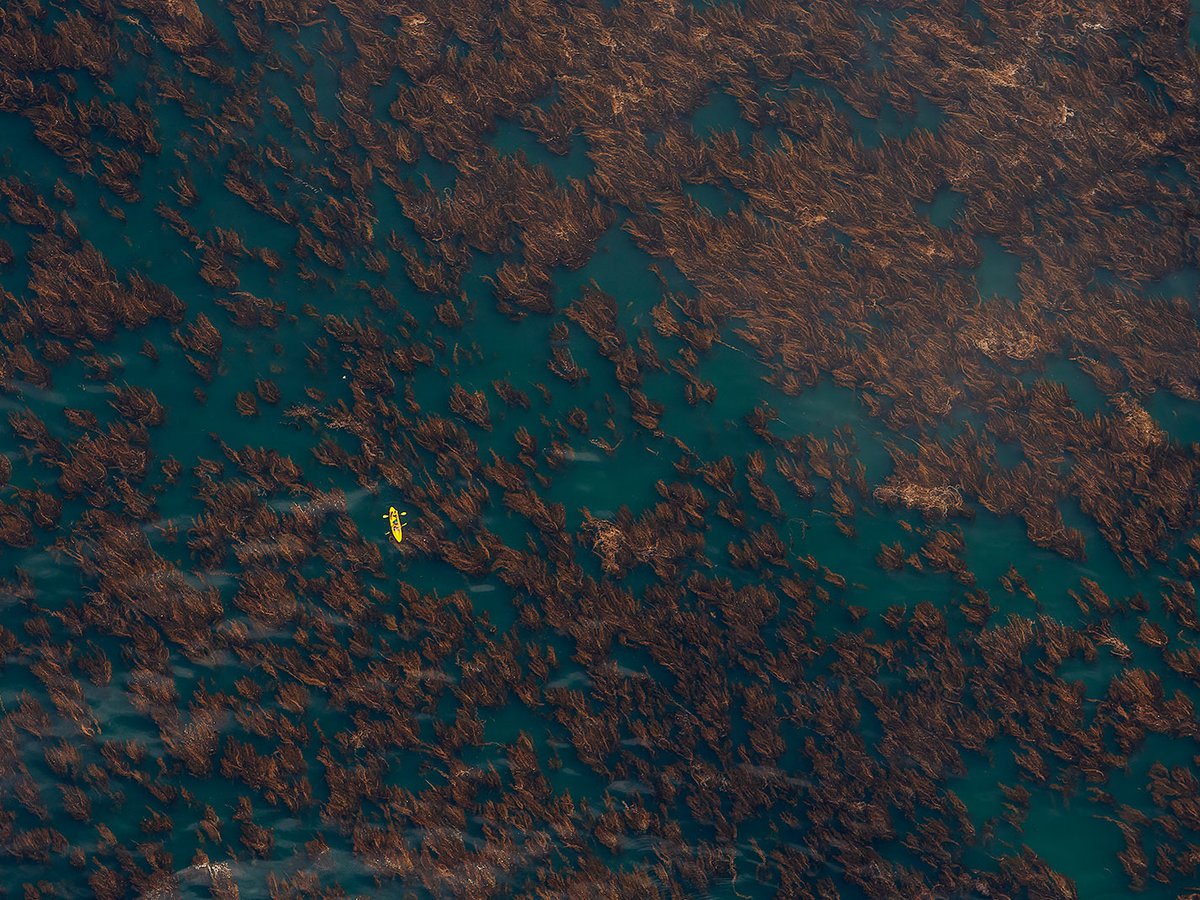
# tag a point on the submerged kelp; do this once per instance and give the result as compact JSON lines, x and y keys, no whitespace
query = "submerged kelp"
{"x":751,"y":550}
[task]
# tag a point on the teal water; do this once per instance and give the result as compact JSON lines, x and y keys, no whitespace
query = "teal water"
{"x":430,"y":636}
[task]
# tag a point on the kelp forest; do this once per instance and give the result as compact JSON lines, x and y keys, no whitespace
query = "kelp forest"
{"x":794,"y":409}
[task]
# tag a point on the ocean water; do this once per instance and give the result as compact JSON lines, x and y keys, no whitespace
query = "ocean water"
{"x":1071,"y":830}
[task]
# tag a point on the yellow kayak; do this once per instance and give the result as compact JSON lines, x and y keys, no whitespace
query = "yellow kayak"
{"x":396,"y":524}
